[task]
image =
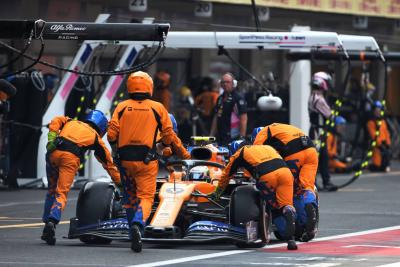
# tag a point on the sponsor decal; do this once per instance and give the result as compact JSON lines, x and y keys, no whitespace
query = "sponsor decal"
{"x":176,"y":191}
{"x":343,"y":4}
{"x":68,"y":27}
{"x":115,"y":226}
{"x":310,"y":3}
{"x":268,"y":38}
{"x":210,"y":228}
{"x":370,"y":6}
{"x":394,"y":7}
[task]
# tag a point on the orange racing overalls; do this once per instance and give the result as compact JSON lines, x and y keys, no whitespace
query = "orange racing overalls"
{"x":380,"y":161}
{"x":206,"y":102}
{"x":74,"y":138}
{"x":133,"y":128}
{"x":274,"y":179}
{"x":334,"y":163}
{"x":297,"y":150}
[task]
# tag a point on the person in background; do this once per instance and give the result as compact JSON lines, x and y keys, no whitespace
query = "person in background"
{"x":68,"y":140}
{"x":381,"y":154}
{"x":206,"y":100}
{"x":335,"y":164}
{"x":320,"y":111}
{"x":162,"y":94}
{"x":230,"y":113}
{"x":184,"y":114}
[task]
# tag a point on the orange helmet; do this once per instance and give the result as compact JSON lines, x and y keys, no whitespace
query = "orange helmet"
{"x":139,"y":82}
{"x":162,"y":79}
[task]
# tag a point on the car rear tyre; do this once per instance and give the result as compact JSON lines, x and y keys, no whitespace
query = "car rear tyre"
{"x":246,"y":205}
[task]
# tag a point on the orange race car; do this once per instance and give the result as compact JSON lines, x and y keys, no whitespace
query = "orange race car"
{"x":182,"y":211}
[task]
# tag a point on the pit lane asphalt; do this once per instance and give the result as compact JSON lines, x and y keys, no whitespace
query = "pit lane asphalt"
{"x":369,"y":203}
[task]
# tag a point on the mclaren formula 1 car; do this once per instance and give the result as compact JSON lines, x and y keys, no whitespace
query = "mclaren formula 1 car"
{"x":182,"y":211}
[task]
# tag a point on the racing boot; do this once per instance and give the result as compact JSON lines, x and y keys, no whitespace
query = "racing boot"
{"x":49,"y":233}
{"x":289,"y":214}
{"x":330,"y":187}
{"x":311,"y":224}
{"x":136,"y":239}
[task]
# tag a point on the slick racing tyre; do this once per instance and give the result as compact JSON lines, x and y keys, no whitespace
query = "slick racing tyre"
{"x":246,"y":205}
{"x":95,"y":203}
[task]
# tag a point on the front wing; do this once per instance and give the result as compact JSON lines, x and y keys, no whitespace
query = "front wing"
{"x":198,"y":232}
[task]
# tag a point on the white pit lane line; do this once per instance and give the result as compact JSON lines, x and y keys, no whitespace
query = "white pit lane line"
{"x":39,"y":202}
{"x":233,"y":252}
{"x":395,"y":264}
{"x":193,"y":258}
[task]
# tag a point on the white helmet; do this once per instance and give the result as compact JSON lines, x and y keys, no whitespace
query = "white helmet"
{"x":322,"y":81}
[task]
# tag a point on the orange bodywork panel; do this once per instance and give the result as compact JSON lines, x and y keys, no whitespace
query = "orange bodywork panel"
{"x":171,"y":199}
{"x":204,"y":188}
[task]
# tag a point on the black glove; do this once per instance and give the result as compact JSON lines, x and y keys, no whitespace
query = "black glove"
{"x":216,"y":195}
{"x":120,"y":187}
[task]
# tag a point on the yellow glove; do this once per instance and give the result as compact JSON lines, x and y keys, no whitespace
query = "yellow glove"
{"x":51,"y":136}
{"x":51,"y":146}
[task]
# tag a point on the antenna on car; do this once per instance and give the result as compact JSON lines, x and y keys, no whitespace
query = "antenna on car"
{"x":174,"y":184}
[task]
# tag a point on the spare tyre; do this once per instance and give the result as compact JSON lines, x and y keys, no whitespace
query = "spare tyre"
{"x":95,"y":203}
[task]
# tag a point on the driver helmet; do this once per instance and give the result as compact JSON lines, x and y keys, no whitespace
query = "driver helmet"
{"x":199,"y":173}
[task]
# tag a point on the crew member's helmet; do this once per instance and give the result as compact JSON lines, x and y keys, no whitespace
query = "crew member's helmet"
{"x":235,"y":146}
{"x":140,"y":82}
{"x":378,"y":104}
{"x":321,"y":81}
{"x":97,"y":120}
{"x":255,"y":132}
{"x":174,"y":124}
{"x":339,"y":120}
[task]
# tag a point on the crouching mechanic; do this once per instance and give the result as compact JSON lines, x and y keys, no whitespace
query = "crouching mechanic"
{"x":68,"y":140}
{"x":301,"y":157}
{"x":274,"y":180}
{"x":133,"y":129}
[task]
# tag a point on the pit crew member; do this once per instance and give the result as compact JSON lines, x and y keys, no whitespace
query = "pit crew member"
{"x":133,"y":130}
{"x":68,"y":140}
